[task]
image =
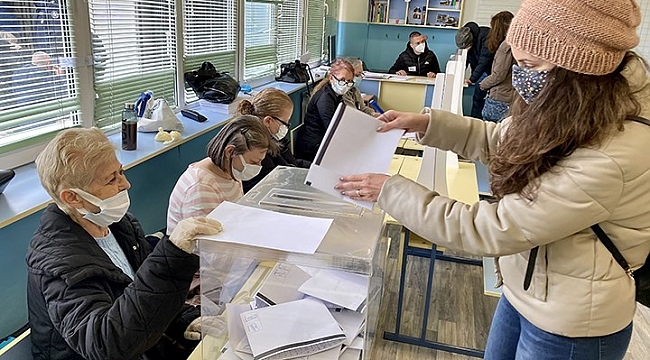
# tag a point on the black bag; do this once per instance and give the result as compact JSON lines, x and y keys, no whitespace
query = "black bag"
{"x":211,"y":85}
{"x":295,"y":72}
{"x":641,"y":275}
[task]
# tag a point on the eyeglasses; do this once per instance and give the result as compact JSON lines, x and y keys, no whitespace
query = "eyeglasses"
{"x":361,"y":74}
{"x":343,"y":82}
{"x":285,"y":123}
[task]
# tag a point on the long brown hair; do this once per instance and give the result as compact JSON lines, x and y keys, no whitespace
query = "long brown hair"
{"x":336,"y":69}
{"x":498,"y":29}
{"x":573,"y":111}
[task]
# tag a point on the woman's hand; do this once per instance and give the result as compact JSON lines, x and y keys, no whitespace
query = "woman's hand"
{"x":411,"y":122}
{"x":364,"y":187}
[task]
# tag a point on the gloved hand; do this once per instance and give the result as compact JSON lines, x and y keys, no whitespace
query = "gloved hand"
{"x":212,"y":325}
{"x":187,"y":229}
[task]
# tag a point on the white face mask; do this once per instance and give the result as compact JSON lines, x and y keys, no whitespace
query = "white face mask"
{"x":282,"y":132}
{"x":250,"y":171}
{"x":340,"y":89}
{"x":420,"y":48}
{"x":111,"y":210}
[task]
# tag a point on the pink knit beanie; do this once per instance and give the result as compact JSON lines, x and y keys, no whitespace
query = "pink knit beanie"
{"x":585,"y":36}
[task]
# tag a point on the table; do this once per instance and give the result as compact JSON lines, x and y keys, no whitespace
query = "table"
{"x":462,"y":186}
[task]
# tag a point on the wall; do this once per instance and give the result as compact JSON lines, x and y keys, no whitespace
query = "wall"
{"x":148,"y":203}
{"x":379,"y":45}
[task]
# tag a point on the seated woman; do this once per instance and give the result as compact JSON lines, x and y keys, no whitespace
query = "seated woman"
{"x":353,"y":97}
{"x":235,"y":154}
{"x":274,"y":107}
{"x":320,"y":110}
{"x":95,"y":290}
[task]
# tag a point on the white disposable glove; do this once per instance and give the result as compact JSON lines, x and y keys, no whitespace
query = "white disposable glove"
{"x":187,"y":229}
{"x":212,"y":325}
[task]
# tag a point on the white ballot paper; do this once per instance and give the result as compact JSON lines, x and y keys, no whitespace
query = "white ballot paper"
{"x":338,"y":287}
{"x":351,"y":145}
{"x":282,"y":285}
{"x":251,"y":226}
{"x":297,"y":328}
{"x":350,"y":321}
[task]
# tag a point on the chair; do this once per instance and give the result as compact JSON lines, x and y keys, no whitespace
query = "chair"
{"x":292,"y":136}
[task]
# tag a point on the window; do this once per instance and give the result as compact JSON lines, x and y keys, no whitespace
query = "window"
{"x":315,"y":29}
{"x":38,"y":92}
{"x":260,"y":34}
{"x":209,"y":34}
{"x":271,"y":35}
{"x":134,"y":50}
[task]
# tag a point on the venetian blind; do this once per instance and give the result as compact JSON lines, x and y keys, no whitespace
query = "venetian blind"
{"x":38,"y":92}
{"x":134,"y":46}
{"x":315,"y":28}
{"x":209,"y":34}
{"x":260,"y":38}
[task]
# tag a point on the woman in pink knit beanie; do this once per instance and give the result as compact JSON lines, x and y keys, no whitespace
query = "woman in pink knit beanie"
{"x":569,"y":158}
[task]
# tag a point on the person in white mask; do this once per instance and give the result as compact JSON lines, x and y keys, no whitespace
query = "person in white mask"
{"x":322,"y":105}
{"x":353,"y":97}
{"x":92,"y":276}
{"x":274,"y":108}
{"x":417,"y":59}
{"x":235,"y":154}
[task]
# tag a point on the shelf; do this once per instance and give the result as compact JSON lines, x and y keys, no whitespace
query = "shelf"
{"x":444,"y":9}
{"x":415,"y":25}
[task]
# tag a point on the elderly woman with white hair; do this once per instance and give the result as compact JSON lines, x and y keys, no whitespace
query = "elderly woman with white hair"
{"x":95,"y":289}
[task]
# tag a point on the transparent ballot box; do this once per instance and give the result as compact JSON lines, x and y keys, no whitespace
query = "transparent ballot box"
{"x":260,"y":303}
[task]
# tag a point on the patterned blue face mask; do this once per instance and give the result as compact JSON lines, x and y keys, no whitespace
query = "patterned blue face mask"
{"x":528,"y":83}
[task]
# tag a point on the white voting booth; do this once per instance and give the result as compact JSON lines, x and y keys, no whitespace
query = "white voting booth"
{"x":447,"y":95}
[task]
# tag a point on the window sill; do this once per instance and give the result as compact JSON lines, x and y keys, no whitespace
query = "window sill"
{"x":25,"y":195}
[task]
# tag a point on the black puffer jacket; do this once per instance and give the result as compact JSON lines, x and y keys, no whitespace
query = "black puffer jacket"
{"x":81,"y":306}
{"x":270,"y":162}
{"x":479,"y":57}
{"x":320,"y":110}
{"x":413,"y":64}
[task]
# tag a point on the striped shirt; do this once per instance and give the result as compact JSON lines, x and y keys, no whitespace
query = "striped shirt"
{"x":115,"y":253}
{"x":197,"y":192}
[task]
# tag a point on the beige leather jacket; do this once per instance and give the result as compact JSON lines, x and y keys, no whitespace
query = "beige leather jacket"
{"x":577,"y":288}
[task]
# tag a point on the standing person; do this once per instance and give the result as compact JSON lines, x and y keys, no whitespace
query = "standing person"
{"x":353,"y":97}
{"x":479,"y":59}
{"x":320,"y":110}
{"x":417,"y":59}
{"x":274,"y":108}
{"x":499,"y":83}
{"x":566,"y":159}
{"x":95,"y":290}
{"x":235,"y":154}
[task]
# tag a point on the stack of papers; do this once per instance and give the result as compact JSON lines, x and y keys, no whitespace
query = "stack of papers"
{"x":290,"y":330}
{"x":230,"y":109}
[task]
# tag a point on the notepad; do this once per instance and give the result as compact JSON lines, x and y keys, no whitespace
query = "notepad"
{"x":282,"y":285}
{"x":297,"y":328}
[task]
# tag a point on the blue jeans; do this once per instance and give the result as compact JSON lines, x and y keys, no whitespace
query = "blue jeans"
{"x":512,"y":337}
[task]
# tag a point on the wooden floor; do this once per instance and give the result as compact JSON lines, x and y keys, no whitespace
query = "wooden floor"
{"x":460,"y":313}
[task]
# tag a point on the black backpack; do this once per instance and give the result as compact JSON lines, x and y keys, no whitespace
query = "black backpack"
{"x":295,"y":72}
{"x":211,"y":85}
{"x":641,"y":275}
